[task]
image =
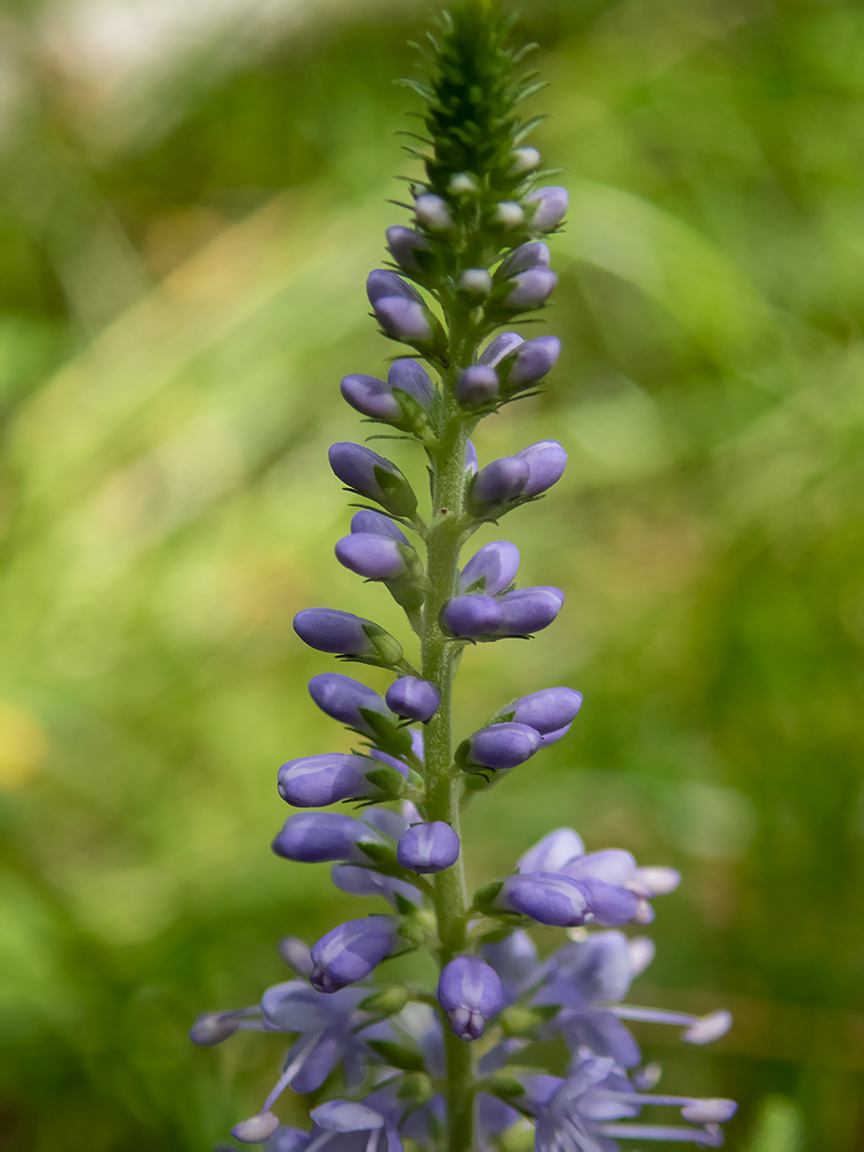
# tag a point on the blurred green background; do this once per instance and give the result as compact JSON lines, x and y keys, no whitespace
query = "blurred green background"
{"x":192,"y":195}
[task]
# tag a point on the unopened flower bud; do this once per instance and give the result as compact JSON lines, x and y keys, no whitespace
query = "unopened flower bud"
{"x":371,"y":397}
{"x":531,"y":289}
{"x":413,"y":699}
{"x":509,"y":214}
{"x":503,"y":746}
{"x":525,"y":160}
{"x":326,"y":778}
{"x":382,"y":283}
{"x":546,"y":897}
{"x":432,"y":211}
{"x":342,"y":697}
{"x":426,"y":848}
{"x":470,"y":992}
{"x":475,"y":282}
{"x":463,"y":184}
{"x":316,"y":837}
{"x":528,"y":610}
{"x":501,"y":347}
{"x":500,"y":481}
{"x":525,"y":258}
{"x":546,"y":208}
{"x":477,"y":386}
{"x":213,"y":1028}
{"x":351,"y":951}
{"x":534,"y":358}
{"x":404,"y":320}
{"x":367,"y":520}
{"x":470,"y":617}
{"x":547,"y":710}
{"x":344,"y":634}
{"x":373,"y":557}
{"x":256,"y":1129}
{"x":546,"y":462}
{"x":412,"y":378}
{"x":404,"y":244}
{"x":372,"y":476}
{"x":495,"y":565}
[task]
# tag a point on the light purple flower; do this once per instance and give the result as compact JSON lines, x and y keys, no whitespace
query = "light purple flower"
{"x":342,"y":697}
{"x":528,"y":610}
{"x":551,"y":205}
{"x":413,"y":699}
{"x":351,"y":951}
{"x":469,"y":991}
{"x":426,"y":848}
{"x":404,"y":244}
{"x":501,"y":347}
{"x":314,"y":781}
{"x":472,"y":616}
{"x":546,"y":897}
{"x":531,"y":289}
{"x":367,"y":520}
{"x":546,"y":462}
{"x":523,"y":259}
{"x":411,"y":377}
{"x":494,"y":566}
{"x":365,"y":881}
{"x":548,"y":710}
{"x":503,"y":746}
{"x":315,"y":837}
{"x":372,"y":476}
{"x":534,"y":358}
{"x":404,"y":320}
{"x":371,"y":397}
{"x":477,"y":386}
{"x":382,"y":283}
{"x":500,"y":481}
{"x":373,"y":557}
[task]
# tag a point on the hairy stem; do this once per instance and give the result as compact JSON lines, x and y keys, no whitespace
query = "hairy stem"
{"x":443,"y":779}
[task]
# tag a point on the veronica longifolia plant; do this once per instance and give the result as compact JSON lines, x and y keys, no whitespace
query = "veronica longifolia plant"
{"x":440,"y":1066}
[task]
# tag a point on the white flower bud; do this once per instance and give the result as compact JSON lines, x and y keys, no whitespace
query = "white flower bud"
{"x":432,"y":211}
{"x":525,"y":160}
{"x":475,"y":282}
{"x":509,"y":213}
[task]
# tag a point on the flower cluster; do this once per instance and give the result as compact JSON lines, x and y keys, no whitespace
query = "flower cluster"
{"x":419,"y":1063}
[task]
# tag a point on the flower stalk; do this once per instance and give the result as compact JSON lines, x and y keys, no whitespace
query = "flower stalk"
{"x":474,"y":259}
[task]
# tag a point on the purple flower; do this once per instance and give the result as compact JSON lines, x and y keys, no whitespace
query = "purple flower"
{"x":314,"y":781}
{"x":351,"y":951}
{"x":365,"y":881}
{"x":428,"y":847}
{"x":256,"y":1129}
{"x":477,"y":386}
{"x":314,"y":837}
{"x":381,"y":284}
{"x":432,"y":211}
{"x":525,"y":258}
{"x":409,"y":376}
{"x":378,"y":524}
{"x":549,"y":206}
{"x":470,"y":993}
{"x":500,"y":481}
{"x":369,"y":474}
{"x":472,"y":616}
{"x":405,"y":320}
{"x":546,"y":462}
{"x":501,"y":347}
{"x":546,"y":897}
{"x":343,"y":634}
{"x":373,"y":557}
{"x":533,"y":360}
{"x":492,"y":569}
{"x":404,"y":244}
{"x":548,"y":710}
{"x":345,"y":1126}
{"x":342,"y":697}
{"x":329,"y":1030}
{"x":528,"y":610}
{"x":413,"y":699}
{"x":503,"y":746}
{"x":553,"y":852}
{"x":531,"y":289}
{"x":371,"y":397}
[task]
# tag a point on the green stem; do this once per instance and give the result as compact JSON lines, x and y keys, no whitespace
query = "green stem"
{"x":443,"y":779}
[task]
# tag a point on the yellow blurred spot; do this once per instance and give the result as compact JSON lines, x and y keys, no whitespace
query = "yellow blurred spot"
{"x":23,"y":745}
